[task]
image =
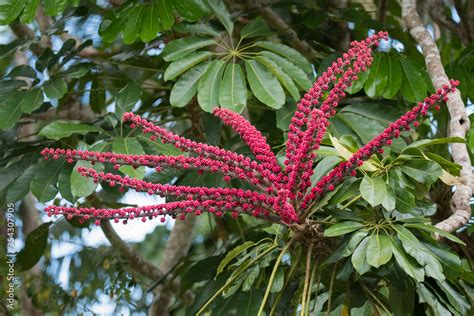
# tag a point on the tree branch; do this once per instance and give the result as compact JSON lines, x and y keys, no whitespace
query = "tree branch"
{"x":382,"y":10}
{"x":459,"y":122}
{"x":134,"y":259}
{"x":436,"y":12}
{"x":177,"y":247}
{"x":277,"y":23}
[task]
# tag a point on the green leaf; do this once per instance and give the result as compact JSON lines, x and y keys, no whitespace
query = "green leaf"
{"x":405,"y":201}
{"x":342,"y":228}
{"x":284,"y":115}
{"x":150,"y":23}
{"x":54,"y":7}
{"x":165,"y":10}
{"x":376,"y":76}
{"x":373,"y":190}
{"x":32,"y":99}
{"x":364,"y":310}
{"x":55,"y":89}
{"x":298,"y":75}
{"x":10,"y":110}
{"x":354,"y":242}
{"x":64,"y":183}
{"x":278,"y":281}
{"x":35,"y":246}
{"x":9,"y":10}
{"x":132,"y":26}
{"x":358,"y":258}
{"x":456,"y":299}
{"x":437,"y":141}
{"x":233,"y":90}
{"x":83,"y":186}
{"x":44,"y":183}
{"x":413,"y":86}
{"x":29,"y":11}
{"x":264,"y":85}
{"x":389,"y":202}
{"x":129,"y":146}
{"x":179,"y":66}
{"x":185,"y":88}
{"x":97,"y":98}
{"x":406,"y":262}
{"x":394,"y":77}
{"x":18,"y":189}
{"x":209,"y":85}
{"x":190,"y":10}
{"x":179,"y":48}
{"x":423,"y":171}
{"x":61,"y":129}
{"x":287,"y":52}
{"x":117,"y":25}
{"x":22,"y":71}
{"x":126,"y":99}
{"x":282,"y":77}
{"x":232,"y":254}
{"x":426,"y":296}
{"x":422,"y":255}
{"x":77,"y":71}
{"x":196,"y":28}
{"x":220,"y":11}
{"x":436,"y":230}
{"x":159,"y":147}
{"x":358,"y":84}
{"x":379,"y":250}
{"x":256,"y":27}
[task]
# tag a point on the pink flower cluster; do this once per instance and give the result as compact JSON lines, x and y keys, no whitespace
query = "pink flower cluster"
{"x":280,"y":193}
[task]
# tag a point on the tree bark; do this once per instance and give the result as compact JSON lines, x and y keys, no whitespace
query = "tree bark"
{"x":177,"y":247}
{"x":459,"y":121}
{"x":134,"y":259}
{"x":277,"y":23}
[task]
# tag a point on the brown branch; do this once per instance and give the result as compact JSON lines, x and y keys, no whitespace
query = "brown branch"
{"x":22,"y":31}
{"x":277,"y":23}
{"x":134,"y":259}
{"x":382,"y":10}
{"x":436,"y":12}
{"x":459,"y":122}
{"x":31,"y":220}
{"x":177,"y":247}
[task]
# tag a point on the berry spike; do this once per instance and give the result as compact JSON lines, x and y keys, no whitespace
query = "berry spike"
{"x":359,"y":55}
{"x":345,"y":168}
{"x":176,"y":209}
{"x":254,"y":139}
{"x":156,"y":162}
{"x":201,"y":149}
{"x":300,"y":172}
{"x":180,"y":191}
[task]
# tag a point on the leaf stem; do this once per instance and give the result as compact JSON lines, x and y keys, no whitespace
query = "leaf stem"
{"x":234,"y":277}
{"x":272,"y":277}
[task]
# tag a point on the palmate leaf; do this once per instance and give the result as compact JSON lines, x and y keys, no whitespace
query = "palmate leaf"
{"x":379,"y":250}
{"x":233,"y":89}
{"x":287,"y":52}
{"x":282,"y":77}
{"x":179,"y":48}
{"x":209,"y":85}
{"x":181,"y":65}
{"x":264,"y":85}
{"x":185,"y":88}
{"x":376,"y":77}
{"x":219,"y":9}
{"x":145,"y":20}
{"x":295,"y":72}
